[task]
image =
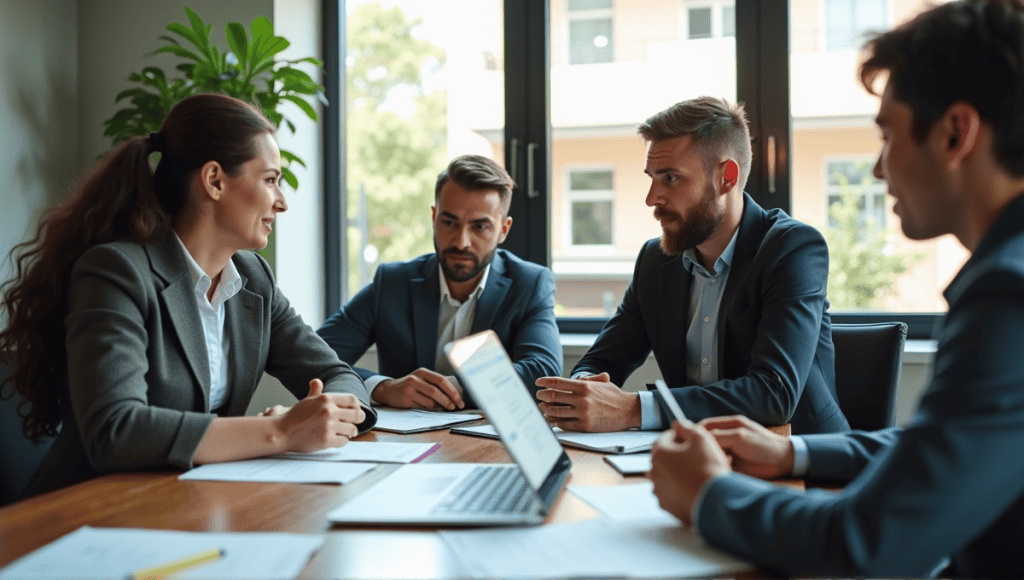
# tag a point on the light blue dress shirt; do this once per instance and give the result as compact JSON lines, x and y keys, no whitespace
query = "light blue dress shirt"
{"x":702,"y":363}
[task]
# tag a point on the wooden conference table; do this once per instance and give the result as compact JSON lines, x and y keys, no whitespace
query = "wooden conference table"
{"x":158,"y":500}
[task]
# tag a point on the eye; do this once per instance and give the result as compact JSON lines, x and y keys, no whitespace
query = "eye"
{"x":483,"y":227}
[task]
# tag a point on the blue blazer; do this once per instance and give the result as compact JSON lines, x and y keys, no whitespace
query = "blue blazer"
{"x":399,"y":311}
{"x":774,"y":332}
{"x":950,"y":484}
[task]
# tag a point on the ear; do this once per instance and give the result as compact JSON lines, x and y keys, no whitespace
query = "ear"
{"x":958,"y":132}
{"x":211,"y":180}
{"x":433,"y":213}
{"x":730,"y":175}
{"x":505,"y":227}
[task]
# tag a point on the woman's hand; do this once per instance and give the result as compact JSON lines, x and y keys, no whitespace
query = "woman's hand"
{"x":319,"y":420}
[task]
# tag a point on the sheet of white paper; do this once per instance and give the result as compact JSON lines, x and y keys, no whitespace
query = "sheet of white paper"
{"x":635,"y":501}
{"x":89,"y":553}
{"x":279,"y":470}
{"x":611,"y":441}
{"x":595,"y":548}
{"x":630,"y":464}
{"x":417,"y":420}
{"x":369,"y":452}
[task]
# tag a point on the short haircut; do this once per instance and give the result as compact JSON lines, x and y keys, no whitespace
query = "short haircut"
{"x":718,"y":129}
{"x":968,"y":51}
{"x":477,"y":173}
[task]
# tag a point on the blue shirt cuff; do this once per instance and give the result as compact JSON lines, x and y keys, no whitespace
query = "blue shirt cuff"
{"x":650,"y":412}
{"x":801,"y":456}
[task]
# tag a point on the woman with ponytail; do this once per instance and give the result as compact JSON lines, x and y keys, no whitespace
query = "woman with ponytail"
{"x":140,"y":326}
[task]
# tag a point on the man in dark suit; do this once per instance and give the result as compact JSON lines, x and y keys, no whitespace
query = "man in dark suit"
{"x":412,"y":309}
{"x":952,"y":482}
{"x":732,"y":299}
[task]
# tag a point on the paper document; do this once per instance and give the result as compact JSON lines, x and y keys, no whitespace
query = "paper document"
{"x":632,"y":464}
{"x":280,"y":471}
{"x":613,"y":442}
{"x":93,"y":553}
{"x":594,"y":548}
{"x":624,"y":502}
{"x":415,"y":420}
{"x":369,"y":452}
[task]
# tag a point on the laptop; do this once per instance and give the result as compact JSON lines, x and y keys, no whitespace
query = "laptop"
{"x":474,"y":494}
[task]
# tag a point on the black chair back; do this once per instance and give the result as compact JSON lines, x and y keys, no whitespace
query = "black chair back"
{"x":868,"y":362}
{"x":19,"y":456}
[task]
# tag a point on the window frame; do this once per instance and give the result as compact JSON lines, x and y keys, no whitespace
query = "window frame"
{"x":717,"y":17}
{"x":876,"y":188}
{"x":823,"y":35}
{"x":590,"y":14}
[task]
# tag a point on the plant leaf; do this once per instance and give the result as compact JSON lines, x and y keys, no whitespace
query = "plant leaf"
{"x":306,"y":107}
{"x":202,"y":33}
{"x":291,"y":157}
{"x":238,"y":41}
{"x":315,"y":61}
{"x":169,"y":39}
{"x":289,"y":177}
{"x":186,"y":33}
{"x":129,"y":93}
{"x":179,"y":51}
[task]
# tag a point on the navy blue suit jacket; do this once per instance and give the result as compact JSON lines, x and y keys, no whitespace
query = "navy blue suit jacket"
{"x":399,"y":311}
{"x":774,"y":332}
{"x":950,"y":483}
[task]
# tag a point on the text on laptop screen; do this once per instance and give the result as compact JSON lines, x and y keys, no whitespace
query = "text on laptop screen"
{"x":483,"y":363}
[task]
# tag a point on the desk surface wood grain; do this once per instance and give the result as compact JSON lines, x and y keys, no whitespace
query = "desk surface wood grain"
{"x":158,"y":500}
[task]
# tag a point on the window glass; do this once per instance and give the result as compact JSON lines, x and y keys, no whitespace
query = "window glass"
{"x":599,"y":219}
{"x":424,"y":85}
{"x":872,"y":265}
{"x":700,"y":23}
{"x":590,"y":40}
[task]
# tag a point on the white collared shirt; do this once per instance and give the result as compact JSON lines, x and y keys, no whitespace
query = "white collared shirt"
{"x":211,"y":314}
{"x":454,"y":320}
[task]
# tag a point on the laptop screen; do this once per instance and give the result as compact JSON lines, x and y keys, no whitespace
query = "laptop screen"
{"x":484,"y":365}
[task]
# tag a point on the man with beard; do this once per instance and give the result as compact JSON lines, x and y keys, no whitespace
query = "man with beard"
{"x":412,"y":309}
{"x":731,"y":300}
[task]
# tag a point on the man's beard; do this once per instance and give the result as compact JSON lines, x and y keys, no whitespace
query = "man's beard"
{"x":462,"y":274}
{"x":695,"y":229}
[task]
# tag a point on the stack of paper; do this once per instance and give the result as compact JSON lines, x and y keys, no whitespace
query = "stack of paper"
{"x":370,"y":452}
{"x":414,"y":420}
{"x":279,"y":471}
{"x":612,"y":442}
{"x":89,"y":553}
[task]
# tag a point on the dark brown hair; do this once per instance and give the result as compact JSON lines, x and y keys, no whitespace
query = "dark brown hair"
{"x":121,"y":198}
{"x":477,"y":173}
{"x":969,"y":51}
{"x":718,"y":129}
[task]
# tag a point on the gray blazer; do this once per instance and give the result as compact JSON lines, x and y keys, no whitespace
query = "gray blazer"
{"x":950,"y":484}
{"x":138,"y":375}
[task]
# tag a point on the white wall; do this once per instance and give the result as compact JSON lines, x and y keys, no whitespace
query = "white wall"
{"x":38,"y":113}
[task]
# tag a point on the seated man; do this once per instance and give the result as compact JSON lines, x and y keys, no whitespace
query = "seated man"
{"x":732,"y":300}
{"x":952,"y":482}
{"x":412,"y":309}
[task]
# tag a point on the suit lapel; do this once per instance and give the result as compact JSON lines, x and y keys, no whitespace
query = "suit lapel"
{"x":748,"y":242}
{"x":425,"y":295}
{"x":167,"y":260}
{"x":243,"y":314}
{"x":675,"y":305}
{"x":492,"y":296}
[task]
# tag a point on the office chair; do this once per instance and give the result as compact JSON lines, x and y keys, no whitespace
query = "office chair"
{"x":19,"y":456}
{"x":868,"y":363}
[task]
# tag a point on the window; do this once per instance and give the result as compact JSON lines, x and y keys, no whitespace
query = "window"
{"x":591,"y":206}
{"x":708,"y":19}
{"x":848,"y":183}
{"x":590,"y":31}
{"x":849,"y":22}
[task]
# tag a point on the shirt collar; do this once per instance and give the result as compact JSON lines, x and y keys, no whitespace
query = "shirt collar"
{"x":721,"y":264}
{"x":447,"y":296}
{"x":230,"y":279}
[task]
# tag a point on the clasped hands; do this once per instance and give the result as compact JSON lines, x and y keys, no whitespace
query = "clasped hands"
{"x":318,"y":421}
{"x":687,"y":456}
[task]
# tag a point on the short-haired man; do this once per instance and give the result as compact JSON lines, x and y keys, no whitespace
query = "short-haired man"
{"x":732,"y":299}
{"x":412,"y":309}
{"x":952,"y":482}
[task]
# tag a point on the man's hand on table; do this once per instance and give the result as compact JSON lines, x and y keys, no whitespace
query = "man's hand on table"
{"x":588,"y":404}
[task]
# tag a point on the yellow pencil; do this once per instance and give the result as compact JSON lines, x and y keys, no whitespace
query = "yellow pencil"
{"x":174,"y":566}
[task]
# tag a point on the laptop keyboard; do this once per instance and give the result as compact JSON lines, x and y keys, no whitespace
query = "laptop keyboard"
{"x":489,"y":489}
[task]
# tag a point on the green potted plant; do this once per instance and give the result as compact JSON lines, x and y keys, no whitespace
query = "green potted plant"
{"x":247,"y":70}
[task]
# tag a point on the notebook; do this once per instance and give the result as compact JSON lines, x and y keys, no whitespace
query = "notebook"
{"x":473,"y":493}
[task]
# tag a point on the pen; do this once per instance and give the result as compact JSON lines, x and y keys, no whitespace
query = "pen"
{"x":177,"y":565}
{"x":673,"y":405}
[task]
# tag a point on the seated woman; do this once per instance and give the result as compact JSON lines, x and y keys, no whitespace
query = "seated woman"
{"x":140,"y":325}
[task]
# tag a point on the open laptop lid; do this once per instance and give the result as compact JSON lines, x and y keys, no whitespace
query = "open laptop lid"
{"x":484,"y":368}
